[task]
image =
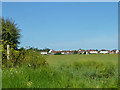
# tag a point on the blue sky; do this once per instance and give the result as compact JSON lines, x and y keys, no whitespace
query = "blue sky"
{"x":65,"y":25}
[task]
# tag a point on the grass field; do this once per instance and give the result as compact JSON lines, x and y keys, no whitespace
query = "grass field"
{"x":66,"y":71}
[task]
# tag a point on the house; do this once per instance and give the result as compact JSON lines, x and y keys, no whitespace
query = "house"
{"x":115,"y":51}
{"x":80,"y":51}
{"x":65,"y":52}
{"x":103,"y":51}
{"x":43,"y":52}
{"x":93,"y":51}
{"x":87,"y":52}
{"x":52,"y":52}
{"x":71,"y":52}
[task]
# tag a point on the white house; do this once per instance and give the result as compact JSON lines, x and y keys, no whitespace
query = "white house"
{"x":104,"y":51}
{"x":87,"y":53}
{"x":81,"y":51}
{"x":117,"y":51}
{"x":93,"y":51}
{"x":65,"y":52}
{"x":62,"y":52}
{"x":52,"y":52}
{"x":43,"y":52}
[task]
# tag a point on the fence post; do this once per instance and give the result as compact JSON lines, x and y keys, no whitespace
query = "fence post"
{"x":8,"y":52}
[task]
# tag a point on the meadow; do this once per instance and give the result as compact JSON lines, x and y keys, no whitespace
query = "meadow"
{"x":66,"y":71}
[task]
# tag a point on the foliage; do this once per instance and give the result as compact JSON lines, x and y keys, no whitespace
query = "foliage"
{"x":58,"y":53}
{"x":75,"y":52}
{"x":10,"y":33}
{"x":22,"y":56}
{"x":16,"y":58}
{"x":38,"y":50}
{"x":46,"y":49}
{"x":10,"y":36}
{"x":34,"y":59}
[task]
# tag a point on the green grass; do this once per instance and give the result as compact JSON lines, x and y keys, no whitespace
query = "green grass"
{"x":66,"y":71}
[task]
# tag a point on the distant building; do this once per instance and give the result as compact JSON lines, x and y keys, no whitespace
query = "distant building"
{"x":43,"y":52}
{"x":103,"y":51}
{"x":71,"y":52}
{"x":93,"y":51}
{"x":66,"y":52}
{"x":115,"y":51}
{"x":80,"y":51}
{"x":87,"y":52}
{"x":52,"y":52}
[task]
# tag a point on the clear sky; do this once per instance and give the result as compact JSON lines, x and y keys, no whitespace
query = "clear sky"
{"x":66,"y":25}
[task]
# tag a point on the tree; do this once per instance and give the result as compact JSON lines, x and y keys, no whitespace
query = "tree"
{"x":10,"y":33}
{"x":96,"y":49}
{"x":58,"y":53}
{"x":10,"y":36}
{"x":75,"y":52}
{"x":46,"y":49}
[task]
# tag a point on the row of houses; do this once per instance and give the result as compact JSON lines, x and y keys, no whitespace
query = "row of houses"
{"x":91,"y":51}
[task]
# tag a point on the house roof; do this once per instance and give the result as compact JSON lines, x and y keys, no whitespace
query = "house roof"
{"x":103,"y":50}
{"x":114,"y":50}
{"x":92,"y":50}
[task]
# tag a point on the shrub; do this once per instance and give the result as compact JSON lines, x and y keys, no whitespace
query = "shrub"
{"x":75,"y":52}
{"x":16,"y":58}
{"x":34,"y":59}
{"x":58,"y":53}
{"x":22,"y":56}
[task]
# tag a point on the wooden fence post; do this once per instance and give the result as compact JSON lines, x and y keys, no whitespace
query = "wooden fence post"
{"x":8,"y":52}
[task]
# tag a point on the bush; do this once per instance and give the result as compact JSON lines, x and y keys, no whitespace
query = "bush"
{"x":34,"y":59}
{"x":16,"y":58}
{"x":58,"y":53}
{"x":75,"y":52}
{"x":22,"y":56}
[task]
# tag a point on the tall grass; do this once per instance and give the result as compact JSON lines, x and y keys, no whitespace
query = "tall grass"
{"x":88,"y":73}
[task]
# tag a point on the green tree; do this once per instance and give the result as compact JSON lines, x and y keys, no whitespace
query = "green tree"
{"x":10,"y":33}
{"x":10,"y":36}
{"x":46,"y":49}
{"x":75,"y":52}
{"x":58,"y":53}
